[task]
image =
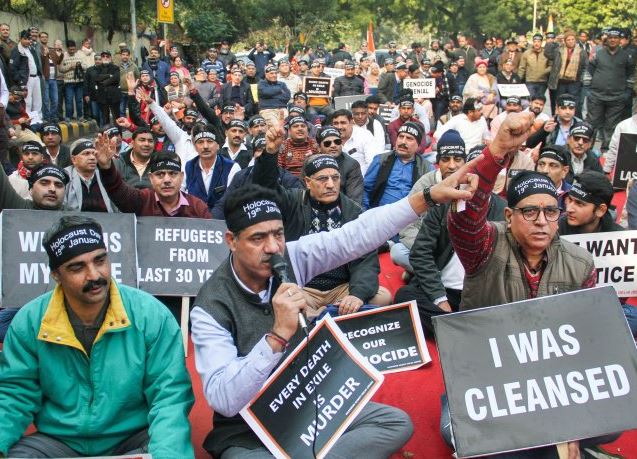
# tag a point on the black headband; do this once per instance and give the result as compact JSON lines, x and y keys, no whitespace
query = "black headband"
{"x":295,"y":120}
{"x":204,"y":135}
{"x":237,"y":124}
{"x":165,"y":165}
{"x":328,"y":132}
{"x":112,"y":132}
{"x":548,"y":152}
{"x":191,"y":112}
{"x":528,"y":183}
{"x":52,"y":128}
{"x":581,"y":194}
{"x":257,"y":121}
{"x":33,"y":147}
{"x":49,"y":170}
{"x":318,"y":163}
{"x":71,"y":242}
{"x":81,"y":146}
{"x":251,"y":213}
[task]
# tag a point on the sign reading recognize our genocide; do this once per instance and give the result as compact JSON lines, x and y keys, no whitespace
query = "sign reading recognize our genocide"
{"x":423,"y":88}
{"x":390,"y":338}
{"x":513,"y":90}
{"x":333,"y":72}
{"x":177,"y":255}
{"x":530,"y":373}
{"x":345,"y":102}
{"x":25,"y":264}
{"x":626,"y":165}
{"x":314,"y":395}
{"x":615,"y":258}
{"x":319,"y":87}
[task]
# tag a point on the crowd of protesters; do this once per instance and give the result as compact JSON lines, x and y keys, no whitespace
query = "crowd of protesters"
{"x":210,"y":137}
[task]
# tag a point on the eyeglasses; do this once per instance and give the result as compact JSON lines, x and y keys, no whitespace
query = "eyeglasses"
{"x":532,"y":213}
{"x":324,"y":178}
{"x":328,"y":143}
{"x":579,"y":139}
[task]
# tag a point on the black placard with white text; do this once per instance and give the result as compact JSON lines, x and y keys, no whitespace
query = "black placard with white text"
{"x":25,"y":264}
{"x":626,"y":165}
{"x":330,"y":374}
{"x":177,"y":255}
{"x":538,"y":372}
{"x":390,"y":338}
{"x":318,"y":87}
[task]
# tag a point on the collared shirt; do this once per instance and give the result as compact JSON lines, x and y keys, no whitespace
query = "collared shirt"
{"x":172,"y":212}
{"x":264,"y":295}
{"x":233,"y":156}
{"x":86,"y":334}
{"x":562,"y":134}
{"x":578,"y":164}
{"x":207,"y":176}
{"x":139,"y":167}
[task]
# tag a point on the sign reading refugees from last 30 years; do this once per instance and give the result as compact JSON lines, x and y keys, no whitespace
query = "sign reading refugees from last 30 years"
{"x":531,"y":373}
{"x":626,"y":165}
{"x":25,"y":264}
{"x":615,"y":258}
{"x":177,"y":255}
{"x":332,"y":375}
{"x":321,"y":87}
{"x":423,"y":88}
{"x":390,"y":338}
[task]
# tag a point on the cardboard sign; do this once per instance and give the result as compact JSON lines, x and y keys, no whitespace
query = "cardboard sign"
{"x":333,"y":73}
{"x":615,"y":258}
{"x":177,"y":255}
{"x":514,"y":90}
{"x":390,"y":338}
{"x":330,"y":374}
{"x":25,"y":264}
{"x":345,"y":102}
{"x":530,"y":373}
{"x":423,"y":88}
{"x":626,"y":165}
{"x":318,"y":87}
{"x":384,"y":111}
{"x":255,"y":92}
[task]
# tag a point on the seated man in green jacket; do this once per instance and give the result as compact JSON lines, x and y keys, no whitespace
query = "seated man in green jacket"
{"x":97,"y":367}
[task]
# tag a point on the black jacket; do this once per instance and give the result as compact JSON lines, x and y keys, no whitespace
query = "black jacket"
{"x":591,"y":163}
{"x":344,"y":86}
{"x":107,"y":82}
{"x":432,"y":248}
{"x":297,"y":216}
{"x":90,"y":83}
{"x":19,"y":67}
{"x":242,"y":159}
{"x":129,"y":173}
{"x":606,"y":225}
{"x":245,"y":94}
{"x":351,"y":177}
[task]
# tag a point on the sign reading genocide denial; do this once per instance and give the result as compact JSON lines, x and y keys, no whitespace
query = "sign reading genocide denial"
{"x":25,"y":264}
{"x":390,"y":338}
{"x":321,"y":87}
{"x":329,"y":375}
{"x":513,"y":90}
{"x":345,"y":102}
{"x":177,"y":255}
{"x":531,"y":373}
{"x":423,"y":88}
{"x":615,"y":257}
{"x":626,"y":165}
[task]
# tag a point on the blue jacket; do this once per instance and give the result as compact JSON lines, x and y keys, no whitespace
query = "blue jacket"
{"x":217,"y":65}
{"x":261,"y":60}
{"x":161,"y":72}
{"x":273,"y":95}
{"x":218,"y":184}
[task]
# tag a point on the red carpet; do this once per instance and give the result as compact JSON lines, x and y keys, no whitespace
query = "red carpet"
{"x":417,"y":392}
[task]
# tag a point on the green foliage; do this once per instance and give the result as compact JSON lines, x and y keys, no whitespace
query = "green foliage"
{"x":207,"y":27}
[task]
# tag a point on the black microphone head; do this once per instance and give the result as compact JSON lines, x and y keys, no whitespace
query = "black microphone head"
{"x":279,"y":267}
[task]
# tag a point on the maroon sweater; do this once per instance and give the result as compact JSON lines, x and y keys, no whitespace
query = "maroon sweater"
{"x":142,"y":202}
{"x":473,"y":237}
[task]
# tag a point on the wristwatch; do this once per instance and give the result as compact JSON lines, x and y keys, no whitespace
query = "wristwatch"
{"x":427,"y":194}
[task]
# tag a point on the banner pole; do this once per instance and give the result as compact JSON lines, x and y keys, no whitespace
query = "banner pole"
{"x":185,"y":316}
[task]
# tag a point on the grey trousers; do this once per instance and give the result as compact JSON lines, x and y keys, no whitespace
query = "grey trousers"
{"x":38,"y":445}
{"x":377,"y":432}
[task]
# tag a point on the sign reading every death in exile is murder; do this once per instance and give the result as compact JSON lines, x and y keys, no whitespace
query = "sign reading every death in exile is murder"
{"x":626,"y":165}
{"x":25,"y":264}
{"x":615,"y":257}
{"x":390,"y":338}
{"x":530,"y":373}
{"x":320,"y":87}
{"x":177,"y":255}
{"x":313,"y":396}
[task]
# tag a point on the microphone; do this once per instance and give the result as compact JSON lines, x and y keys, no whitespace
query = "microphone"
{"x":280,"y":269}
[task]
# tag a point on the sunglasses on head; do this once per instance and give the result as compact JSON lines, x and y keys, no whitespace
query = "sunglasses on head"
{"x":328,"y":143}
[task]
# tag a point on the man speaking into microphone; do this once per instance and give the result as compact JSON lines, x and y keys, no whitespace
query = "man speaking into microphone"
{"x":244,"y":319}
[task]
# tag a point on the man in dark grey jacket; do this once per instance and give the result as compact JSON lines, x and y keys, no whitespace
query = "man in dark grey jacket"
{"x":323,"y":208}
{"x":612,"y":72}
{"x":330,"y":143}
{"x":348,"y":84}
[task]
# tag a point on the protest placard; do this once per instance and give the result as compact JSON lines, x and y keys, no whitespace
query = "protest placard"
{"x":384,"y":111}
{"x":25,"y":264}
{"x":615,"y":258}
{"x":319,"y":87}
{"x":626,"y":164}
{"x":423,"y":88}
{"x":333,"y":72}
{"x":513,"y":90}
{"x":390,"y":338}
{"x":177,"y":255}
{"x":530,"y":373}
{"x":327,"y":372}
{"x":345,"y":102}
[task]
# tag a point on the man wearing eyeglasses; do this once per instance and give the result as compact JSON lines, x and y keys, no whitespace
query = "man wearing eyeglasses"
{"x":556,"y":130}
{"x":330,"y":143}
{"x":580,"y":144}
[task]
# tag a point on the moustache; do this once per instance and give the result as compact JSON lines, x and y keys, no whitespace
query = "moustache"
{"x":402,"y":145}
{"x":90,"y":285}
